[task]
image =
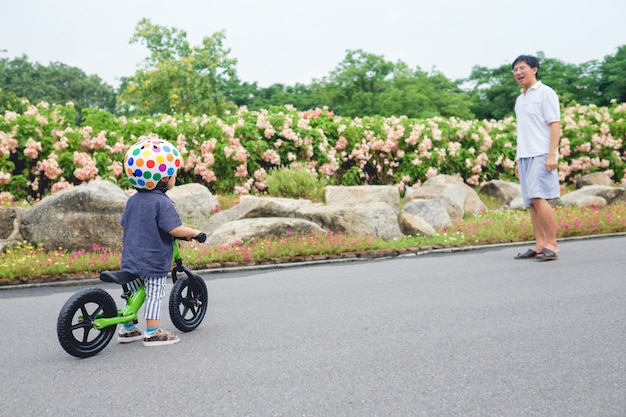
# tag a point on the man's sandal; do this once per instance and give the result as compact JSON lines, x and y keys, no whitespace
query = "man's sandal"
{"x":529,"y":254}
{"x":546,"y":254}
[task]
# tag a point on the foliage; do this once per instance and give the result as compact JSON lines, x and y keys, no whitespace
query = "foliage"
{"x":295,"y":183}
{"x":54,"y":83}
{"x":613,"y":82}
{"x":43,"y":150}
{"x":365,"y":84}
{"x":10,"y":101}
{"x":251,"y":96}
{"x":494,"y":92}
{"x":178,"y":77}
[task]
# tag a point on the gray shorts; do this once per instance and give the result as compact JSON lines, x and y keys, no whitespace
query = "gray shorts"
{"x":536,"y":180}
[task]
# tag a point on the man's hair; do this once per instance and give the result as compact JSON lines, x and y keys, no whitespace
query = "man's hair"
{"x":532,"y":61}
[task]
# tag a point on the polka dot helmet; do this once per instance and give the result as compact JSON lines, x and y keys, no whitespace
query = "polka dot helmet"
{"x":149,"y":160}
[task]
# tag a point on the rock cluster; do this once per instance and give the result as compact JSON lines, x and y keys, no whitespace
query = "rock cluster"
{"x":79,"y":217}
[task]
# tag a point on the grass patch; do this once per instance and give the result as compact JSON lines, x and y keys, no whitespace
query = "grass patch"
{"x":295,"y":183}
{"x":26,"y":262}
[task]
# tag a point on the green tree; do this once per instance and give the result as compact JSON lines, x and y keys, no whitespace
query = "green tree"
{"x":416,"y":94}
{"x":10,"y":101}
{"x":56,"y":83}
{"x":364,"y":84}
{"x":299,"y":96}
{"x":178,"y":77}
{"x":613,"y":77}
{"x":493,"y":93}
{"x":353,"y":88}
{"x":573,"y":83}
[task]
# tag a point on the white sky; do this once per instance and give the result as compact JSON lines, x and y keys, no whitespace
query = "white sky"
{"x":290,"y":41}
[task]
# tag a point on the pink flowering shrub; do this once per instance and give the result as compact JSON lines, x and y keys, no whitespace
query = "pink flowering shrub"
{"x":43,"y":151}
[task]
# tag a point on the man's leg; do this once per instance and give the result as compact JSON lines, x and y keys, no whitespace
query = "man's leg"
{"x":544,"y":225}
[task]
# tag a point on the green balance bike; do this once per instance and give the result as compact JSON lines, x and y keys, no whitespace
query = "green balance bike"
{"x":88,"y":320}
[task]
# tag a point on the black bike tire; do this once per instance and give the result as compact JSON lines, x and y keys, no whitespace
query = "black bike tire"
{"x":72,"y":343}
{"x":188,"y":302}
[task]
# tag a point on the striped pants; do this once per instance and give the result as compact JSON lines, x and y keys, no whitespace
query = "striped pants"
{"x":155,"y":291}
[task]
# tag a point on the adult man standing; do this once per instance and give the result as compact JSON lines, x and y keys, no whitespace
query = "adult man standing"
{"x":538,"y":133}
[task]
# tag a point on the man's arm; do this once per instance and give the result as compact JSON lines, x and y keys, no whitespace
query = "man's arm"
{"x":555,"y":138}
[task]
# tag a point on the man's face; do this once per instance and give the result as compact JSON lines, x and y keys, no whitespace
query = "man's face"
{"x":524,"y":74}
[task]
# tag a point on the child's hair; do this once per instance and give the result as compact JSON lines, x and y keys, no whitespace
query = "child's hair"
{"x":532,"y":61}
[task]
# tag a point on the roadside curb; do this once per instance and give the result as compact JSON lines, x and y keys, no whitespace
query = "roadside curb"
{"x":362,"y":257}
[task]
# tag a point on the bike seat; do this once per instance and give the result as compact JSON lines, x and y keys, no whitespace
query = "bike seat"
{"x":118,"y":277}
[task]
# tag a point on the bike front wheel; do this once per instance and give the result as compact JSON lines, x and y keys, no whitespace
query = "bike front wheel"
{"x":188,"y":302}
{"x":75,"y":323}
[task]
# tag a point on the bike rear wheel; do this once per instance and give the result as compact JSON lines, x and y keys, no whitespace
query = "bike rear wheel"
{"x":75,"y":323}
{"x":188,"y":302}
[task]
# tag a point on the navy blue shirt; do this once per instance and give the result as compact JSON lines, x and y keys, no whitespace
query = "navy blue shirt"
{"x":147,"y":245}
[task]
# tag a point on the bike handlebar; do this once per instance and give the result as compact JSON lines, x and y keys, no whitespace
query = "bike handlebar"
{"x":200,"y":238}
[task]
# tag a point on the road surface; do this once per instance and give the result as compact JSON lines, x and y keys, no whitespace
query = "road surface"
{"x":474,"y":333}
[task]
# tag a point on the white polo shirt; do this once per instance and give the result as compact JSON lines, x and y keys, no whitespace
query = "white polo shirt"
{"x":534,"y":111}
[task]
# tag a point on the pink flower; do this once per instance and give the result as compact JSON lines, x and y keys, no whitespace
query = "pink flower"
{"x":87,"y":169}
{"x":61,"y":185}
{"x":260,"y":174}
{"x":5,"y":178}
{"x":208,"y":147}
{"x":6,"y":196}
{"x":473,"y":180}
{"x":271,"y":156}
{"x":50,"y":166}
{"x":32,"y":148}
{"x":116,"y":168}
{"x":341,"y":144}
{"x":9,"y":116}
{"x":242,"y":171}
{"x":585,"y":147}
{"x":432,"y":172}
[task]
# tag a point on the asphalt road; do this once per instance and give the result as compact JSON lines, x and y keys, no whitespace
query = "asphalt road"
{"x":475,"y":333}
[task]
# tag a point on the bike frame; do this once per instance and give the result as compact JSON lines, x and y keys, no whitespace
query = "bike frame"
{"x":134,"y":302}
{"x":128,"y":313}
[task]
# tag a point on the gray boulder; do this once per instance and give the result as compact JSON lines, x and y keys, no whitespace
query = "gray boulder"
{"x":518,"y":203}
{"x":588,"y":201}
{"x":253,"y":207}
{"x":77,"y":217}
{"x":8,"y":215}
{"x":582,"y":196}
{"x":595,"y":178}
{"x":248,"y":229}
{"x":275,"y":207}
{"x":414,"y":225}
{"x":505,"y":191}
{"x":362,"y":194}
{"x":194,"y":202}
{"x":370,"y":219}
{"x":432,"y":212}
{"x":457,"y":197}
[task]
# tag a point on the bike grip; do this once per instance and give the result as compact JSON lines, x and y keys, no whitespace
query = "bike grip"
{"x":201,"y":237}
